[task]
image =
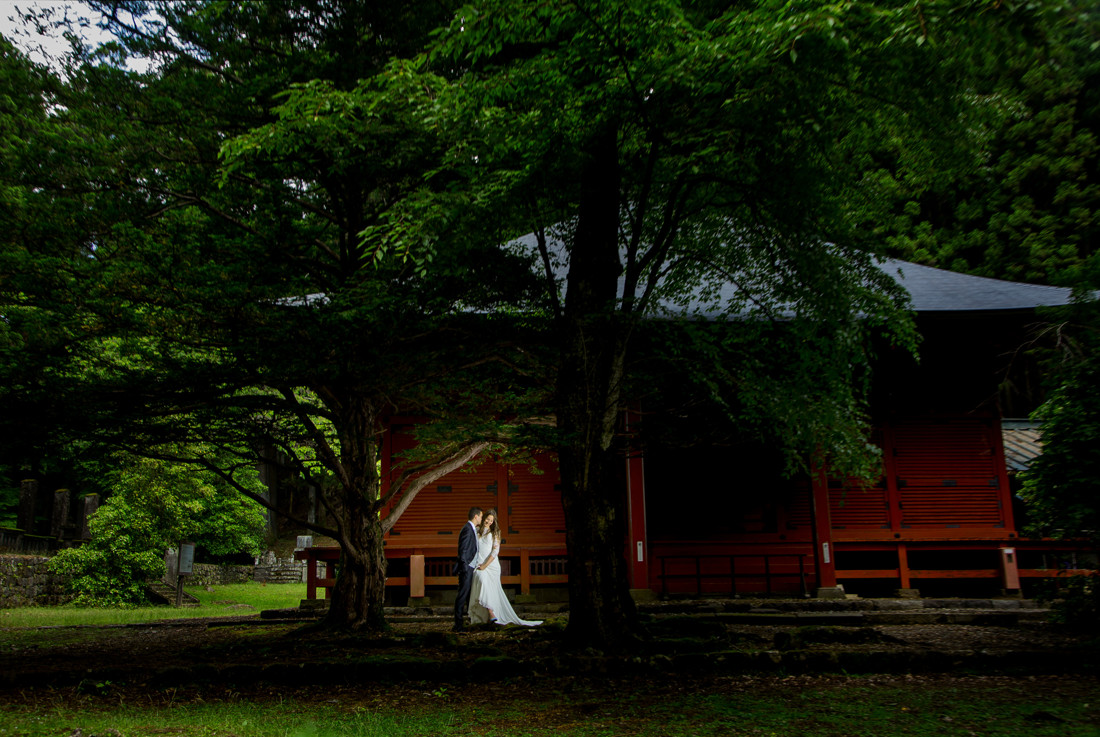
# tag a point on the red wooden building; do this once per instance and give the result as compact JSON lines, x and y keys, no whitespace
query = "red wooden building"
{"x":720,"y":520}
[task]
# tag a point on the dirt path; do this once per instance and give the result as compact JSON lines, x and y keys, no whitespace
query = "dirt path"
{"x":248,"y":650}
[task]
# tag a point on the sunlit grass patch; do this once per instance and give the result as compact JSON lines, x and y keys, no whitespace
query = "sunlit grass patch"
{"x":218,"y":601}
{"x":259,"y":596}
{"x":831,"y":706}
{"x":243,"y":719}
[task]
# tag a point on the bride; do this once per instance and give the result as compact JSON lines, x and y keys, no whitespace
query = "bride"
{"x":488,"y":602}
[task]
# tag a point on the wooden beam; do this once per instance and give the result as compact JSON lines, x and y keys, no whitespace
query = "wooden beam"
{"x":903,"y":568}
{"x":525,"y":571}
{"x":1010,"y":571}
{"x":637,"y":553}
{"x":416,"y":577}
{"x":824,"y":554}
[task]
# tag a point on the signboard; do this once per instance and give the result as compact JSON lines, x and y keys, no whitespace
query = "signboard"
{"x":187,"y":559}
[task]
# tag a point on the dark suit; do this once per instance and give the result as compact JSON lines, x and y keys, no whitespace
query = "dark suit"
{"x":467,"y":551}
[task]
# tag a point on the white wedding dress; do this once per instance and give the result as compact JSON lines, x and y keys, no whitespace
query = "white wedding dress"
{"x":486,"y":592}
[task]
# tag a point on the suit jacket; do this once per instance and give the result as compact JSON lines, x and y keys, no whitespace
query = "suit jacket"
{"x":467,"y":548}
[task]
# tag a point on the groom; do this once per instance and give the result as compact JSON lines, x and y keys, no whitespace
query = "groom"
{"x":464,"y":566}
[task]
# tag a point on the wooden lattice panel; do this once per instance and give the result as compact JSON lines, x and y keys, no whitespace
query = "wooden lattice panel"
{"x":947,"y":474}
{"x":856,"y":505}
{"x":441,"y":508}
{"x":796,"y":504}
{"x":534,"y":512}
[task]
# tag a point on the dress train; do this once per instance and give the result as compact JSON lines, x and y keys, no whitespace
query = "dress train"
{"x":487,"y":593}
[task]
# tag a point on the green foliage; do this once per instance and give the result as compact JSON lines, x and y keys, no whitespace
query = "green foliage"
{"x":680,"y":148}
{"x":228,"y":293}
{"x":757,"y":382}
{"x":289,"y":229}
{"x":1073,"y":600}
{"x":1061,"y":485}
{"x":693,"y":159}
{"x":9,"y":503}
{"x":1020,"y":197}
{"x":156,"y":505}
{"x":110,"y":573}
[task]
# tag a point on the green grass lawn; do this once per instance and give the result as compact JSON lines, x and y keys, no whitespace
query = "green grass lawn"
{"x":672,"y":706}
{"x":220,"y":601}
{"x":801,"y":707}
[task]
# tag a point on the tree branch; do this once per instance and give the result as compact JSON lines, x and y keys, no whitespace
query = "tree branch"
{"x":453,"y":463}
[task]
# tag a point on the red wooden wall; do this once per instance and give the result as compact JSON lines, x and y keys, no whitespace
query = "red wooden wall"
{"x":943,"y":488}
{"x":943,"y":492}
{"x":942,"y":477}
{"x":527,"y":501}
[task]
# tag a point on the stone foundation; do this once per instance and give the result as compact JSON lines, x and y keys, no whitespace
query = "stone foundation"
{"x":282,"y":570}
{"x":25,"y":580}
{"x":208,"y":574}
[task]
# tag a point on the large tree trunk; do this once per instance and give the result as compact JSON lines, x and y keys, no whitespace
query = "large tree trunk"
{"x":358,"y":598}
{"x":594,"y":341}
{"x":601,"y":612}
{"x":357,"y":601}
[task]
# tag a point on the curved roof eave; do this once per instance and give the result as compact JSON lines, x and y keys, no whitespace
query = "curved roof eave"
{"x":937,"y":290}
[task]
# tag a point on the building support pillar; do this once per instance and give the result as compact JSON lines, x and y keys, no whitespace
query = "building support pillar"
{"x":905,"y":579}
{"x":1010,"y":572}
{"x":417,"y":596}
{"x":637,"y":542}
{"x":824,"y":553}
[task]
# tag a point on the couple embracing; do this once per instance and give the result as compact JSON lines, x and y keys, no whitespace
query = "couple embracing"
{"x":478,"y":570}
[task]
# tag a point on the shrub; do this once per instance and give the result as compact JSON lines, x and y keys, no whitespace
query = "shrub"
{"x":1074,"y":600}
{"x":155,"y":505}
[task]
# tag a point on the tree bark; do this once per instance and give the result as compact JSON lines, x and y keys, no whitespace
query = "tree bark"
{"x":357,"y":600}
{"x":594,"y":341}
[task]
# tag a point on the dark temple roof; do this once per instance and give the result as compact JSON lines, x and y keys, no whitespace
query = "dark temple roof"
{"x":1022,"y":443}
{"x":936,"y":290}
{"x":930,"y":289}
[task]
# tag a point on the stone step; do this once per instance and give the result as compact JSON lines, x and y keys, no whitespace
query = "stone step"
{"x":775,"y":606}
{"x":160,"y":593}
{"x":793,"y":612}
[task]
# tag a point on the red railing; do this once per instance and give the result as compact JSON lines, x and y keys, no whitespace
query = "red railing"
{"x":536,"y":565}
{"x":725,"y":570}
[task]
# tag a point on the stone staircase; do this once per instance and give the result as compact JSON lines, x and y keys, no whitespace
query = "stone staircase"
{"x":1006,"y":612}
{"x":160,"y":593}
{"x":857,"y":611}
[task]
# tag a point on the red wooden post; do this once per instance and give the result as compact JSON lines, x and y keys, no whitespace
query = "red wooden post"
{"x":893,"y":494}
{"x":824,"y":555}
{"x":1010,"y":571}
{"x":311,"y":575}
{"x":416,"y":576}
{"x":525,"y":571}
{"x":1004,"y":492}
{"x":637,"y":542}
{"x":903,"y":566}
{"x":503,"y":500}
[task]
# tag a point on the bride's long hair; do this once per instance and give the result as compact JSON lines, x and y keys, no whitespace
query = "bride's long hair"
{"x":494,"y":528}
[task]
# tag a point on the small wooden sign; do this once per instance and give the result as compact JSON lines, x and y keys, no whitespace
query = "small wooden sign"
{"x":187,"y":559}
